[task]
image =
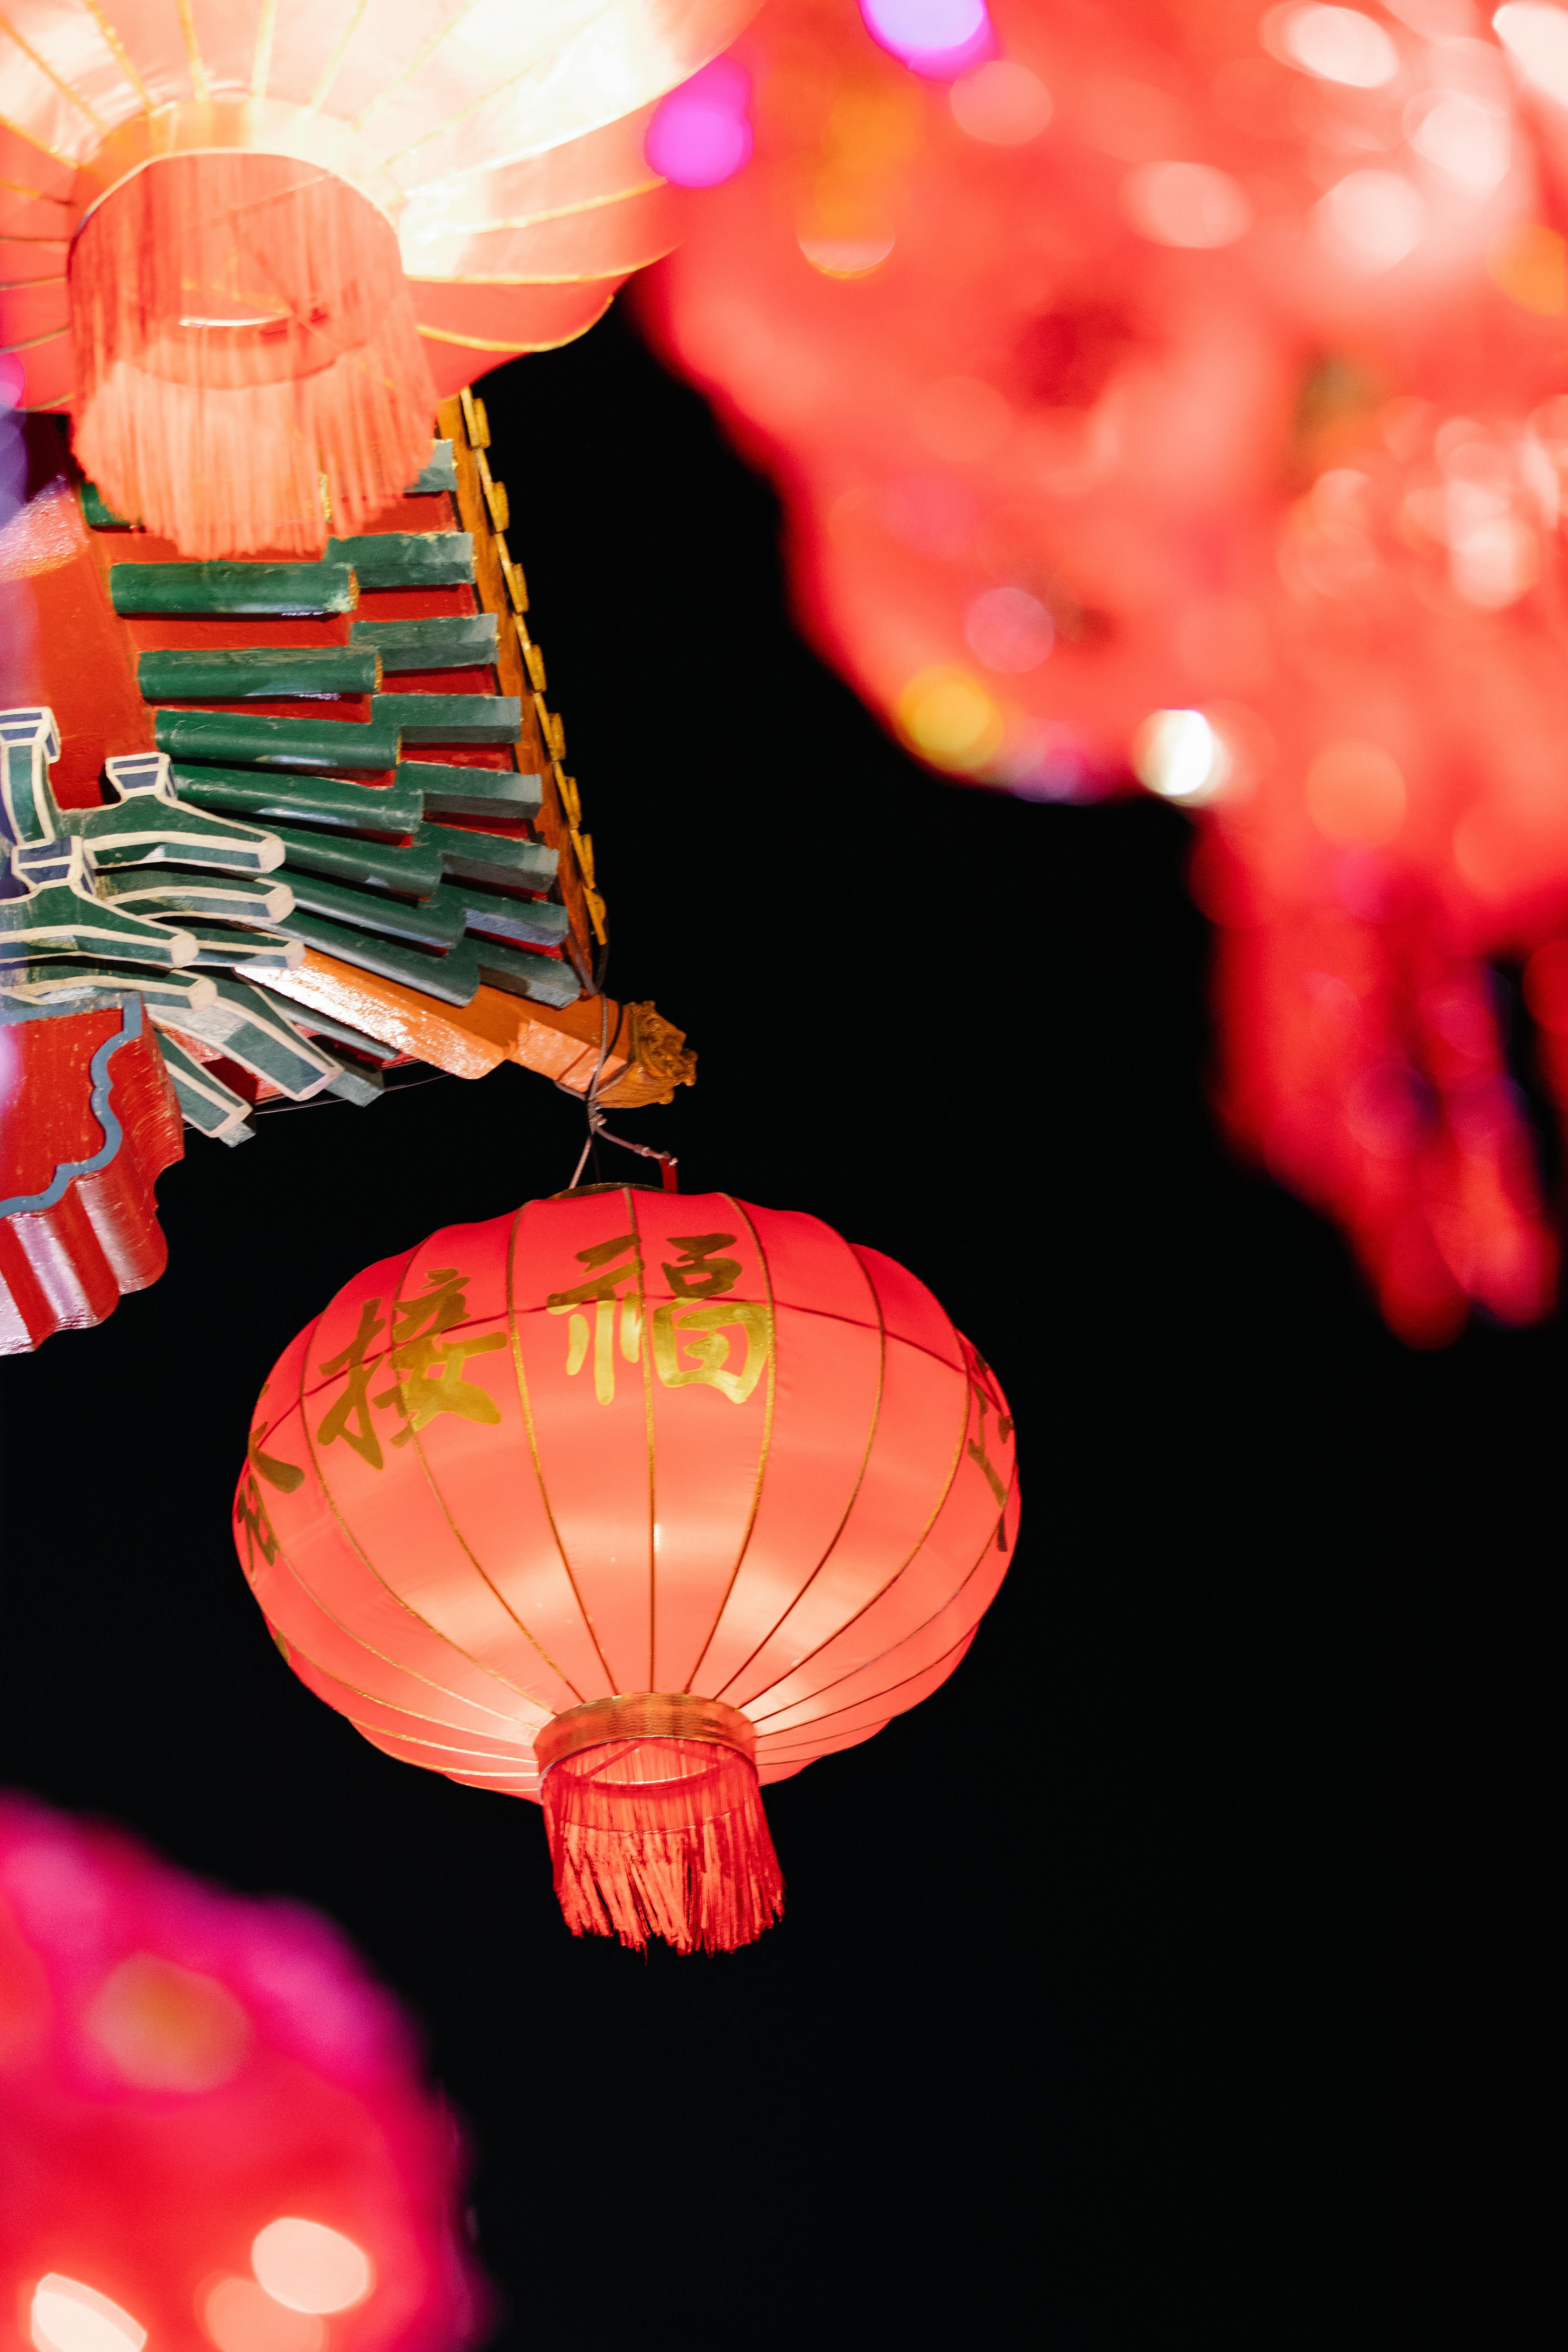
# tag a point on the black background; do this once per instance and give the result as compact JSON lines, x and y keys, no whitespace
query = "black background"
{"x":1167,"y":1977}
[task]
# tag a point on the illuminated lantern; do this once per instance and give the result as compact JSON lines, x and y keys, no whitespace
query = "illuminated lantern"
{"x":257,"y":242}
{"x":1178,"y":395}
{"x":213,"y":2130}
{"x":631,"y":1503}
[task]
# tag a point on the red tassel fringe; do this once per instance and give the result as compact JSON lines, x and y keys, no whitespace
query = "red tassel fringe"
{"x":242,"y":330}
{"x":662,"y":1838}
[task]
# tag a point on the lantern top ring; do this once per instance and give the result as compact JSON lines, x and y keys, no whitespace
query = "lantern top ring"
{"x":644,"y":1715}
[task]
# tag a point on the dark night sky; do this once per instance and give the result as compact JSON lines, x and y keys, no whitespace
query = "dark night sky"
{"x":1133,"y":1988}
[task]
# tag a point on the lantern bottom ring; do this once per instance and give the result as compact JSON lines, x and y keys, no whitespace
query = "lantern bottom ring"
{"x":644,"y":1715}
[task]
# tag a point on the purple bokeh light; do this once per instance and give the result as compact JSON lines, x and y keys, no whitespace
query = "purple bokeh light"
{"x":700,"y":135}
{"x":939,"y":38}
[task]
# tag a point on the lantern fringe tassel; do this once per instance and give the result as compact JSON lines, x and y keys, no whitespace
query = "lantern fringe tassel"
{"x":228,"y":433}
{"x":647,"y":1841}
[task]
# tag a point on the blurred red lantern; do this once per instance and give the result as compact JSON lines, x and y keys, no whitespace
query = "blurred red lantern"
{"x":1180,"y":394}
{"x":633,"y":1503}
{"x":213,"y":2133}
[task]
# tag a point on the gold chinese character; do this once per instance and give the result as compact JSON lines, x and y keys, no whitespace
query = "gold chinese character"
{"x":703,"y":1332}
{"x":977,"y":1446}
{"x":601,"y":1291}
{"x":354,"y":1405}
{"x":429,"y":1370}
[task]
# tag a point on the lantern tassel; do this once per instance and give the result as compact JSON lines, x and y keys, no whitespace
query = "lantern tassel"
{"x":662,"y":1837}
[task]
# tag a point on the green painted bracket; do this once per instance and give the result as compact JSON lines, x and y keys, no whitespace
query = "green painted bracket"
{"x":439,"y":472}
{"x":62,"y":916}
{"x":206,"y":1103}
{"x":452,"y":977}
{"x":494,"y":858}
{"x":29,"y":746}
{"x":231,"y":947}
{"x":474,"y":792}
{"x":540,"y":978}
{"x":147,"y":826}
{"x":258,"y":673}
{"x":413,"y":873}
{"x":404,"y":558}
{"x":59,"y":980}
{"x":214,"y":897}
{"x":96,"y":514}
{"x":451,"y":641}
{"x":419,"y":922}
{"x":313,"y":800}
{"x":286,"y":591}
{"x":451,"y":718}
{"x":533,"y":922}
{"x":253,"y":742}
{"x":252,"y":1032}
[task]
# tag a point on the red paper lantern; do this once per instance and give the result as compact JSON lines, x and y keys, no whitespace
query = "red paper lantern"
{"x":213,"y":2131}
{"x":630,"y":1502}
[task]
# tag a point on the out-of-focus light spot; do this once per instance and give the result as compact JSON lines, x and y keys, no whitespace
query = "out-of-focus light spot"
{"x":1537,"y":37}
{"x":69,"y":2317}
{"x":941,"y":38}
{"x":1464,"y":136}
{"x":1546,"y":987}
{"x":1186,"y":204}
{"x":1436,"y":20}
{"x":962,"y":418}
{"x":1039,"y":759}
{"x":950,"y":719}
{"x":845,"y":257}
{"x":1004,"y":104}
{"x":1494,"y":562}
{"x":931,"y":514}
{"x":700,"y":135}
{"x":241,"y":2316}
{"x":1388,"y":1109}
{"x":1177,"y":755}
{"x":1371,"y":220}
{"x":309,"y":2267}
{"x":1529,"y":264}
{"x":1009,"y":629}
{"x":1332,"y":44}
{"x":164,"y":2029}
{"x":1355,"y":793}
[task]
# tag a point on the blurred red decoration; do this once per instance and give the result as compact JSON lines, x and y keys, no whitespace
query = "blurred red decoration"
{"x":213,"y":2131}
{"x":1186,"y":389}
{"x":653,"y":1499}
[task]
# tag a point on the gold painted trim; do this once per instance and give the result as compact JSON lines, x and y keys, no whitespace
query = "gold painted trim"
{"x":560,"y":1675}
{"x":533,"y":1440}
{"x":970,"y":1573}
{"x":230,"y":126}
{"x":566,"y":278}
{"x":33,"y":341}
{"x":645,"y":1353}
{"x":20,"y":285}
{"x":767,"y":1444}
{"x":329,"y":70}
{"x":261,"y":70}
{"x":644,"y":1715}
{"x":66,"y":163}
{"x":50,"y":74}
{"x":482,"y":343}
{"x":122,"y":54}
{"x":919,"y":1545}
{"x":200,"y":90}
{"x":373,"y":1698}
{"x":557,"y":212}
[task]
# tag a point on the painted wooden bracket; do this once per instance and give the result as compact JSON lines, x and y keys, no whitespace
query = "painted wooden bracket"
{"x":233,"y":591}
{"x":449,"y":641}
{"x":248,"y":740}
{"x":404,"y":558}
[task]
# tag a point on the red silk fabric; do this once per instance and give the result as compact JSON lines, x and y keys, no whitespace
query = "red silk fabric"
{"x":625,"y":1442}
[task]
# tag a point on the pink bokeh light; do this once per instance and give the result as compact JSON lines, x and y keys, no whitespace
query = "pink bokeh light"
{"x":939,"y":38}
{"x":701,"y":135}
